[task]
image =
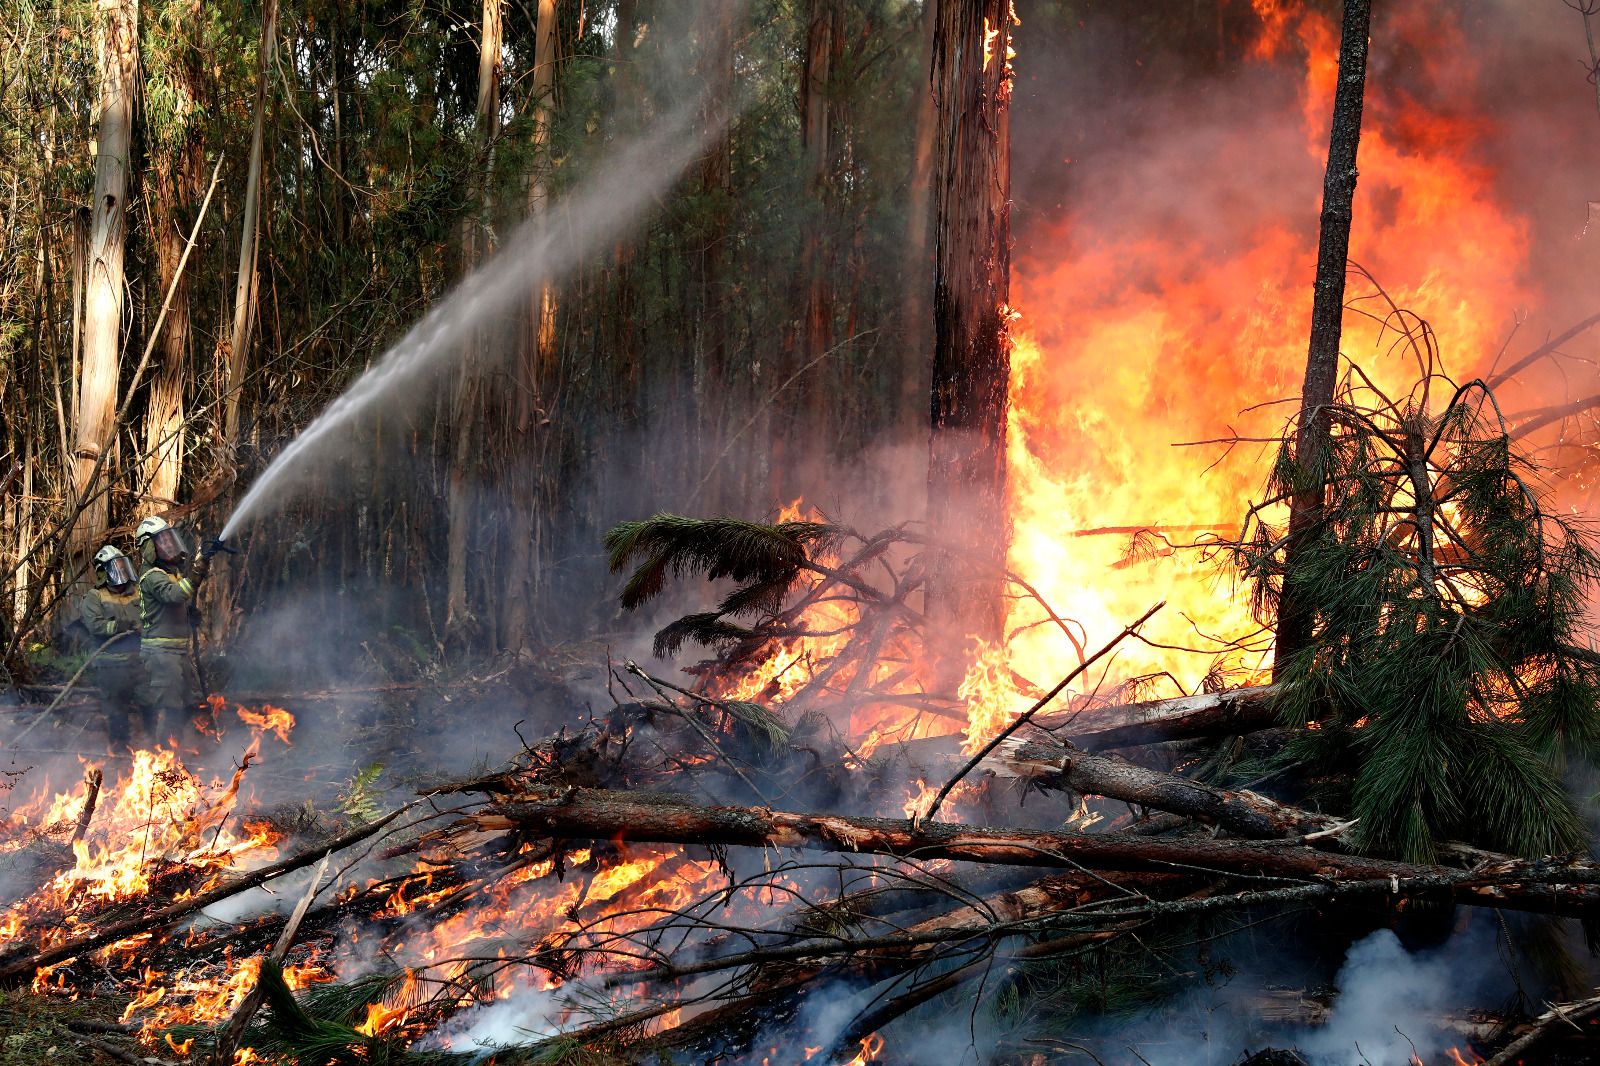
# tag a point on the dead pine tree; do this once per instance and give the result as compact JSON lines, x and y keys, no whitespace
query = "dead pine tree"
{"x":972,"y":346}
{"x":1307,"y":503}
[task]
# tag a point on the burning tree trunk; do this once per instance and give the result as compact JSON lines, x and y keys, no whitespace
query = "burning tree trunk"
{"x":594,"y":814}
{"x":972,"y":347}
{"x":1296,"y":612}
{"x":102,"y":333}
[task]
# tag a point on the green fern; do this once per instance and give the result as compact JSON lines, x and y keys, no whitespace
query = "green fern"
{"x":764,"y":561}
{"x":359,"y":799}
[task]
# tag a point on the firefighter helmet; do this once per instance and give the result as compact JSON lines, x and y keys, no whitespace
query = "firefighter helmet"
{"x":114,"y":567}
{"x":164,"y":541}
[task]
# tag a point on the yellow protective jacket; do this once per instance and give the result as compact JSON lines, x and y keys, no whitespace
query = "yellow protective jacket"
{"x":164,"y":608}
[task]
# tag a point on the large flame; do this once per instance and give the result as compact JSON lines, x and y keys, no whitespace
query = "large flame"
{"x":1142,"y":330}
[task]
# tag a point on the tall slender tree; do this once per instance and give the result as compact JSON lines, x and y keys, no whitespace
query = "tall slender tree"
{"x":244,"y":293}
{"x":972,"y":346}
{"x":118,"y":46}
{"x":467,"y":400}
{"x":1296,"y":613}
{"x":916,"y":328}
{"x":237,"y":353}
{"x":717,"y":30}
{"x":817,"y":140}
{"x":173,"y":138}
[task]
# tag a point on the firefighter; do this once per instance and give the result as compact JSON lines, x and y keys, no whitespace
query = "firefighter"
{"x":110,"y":612}
{"x":167,"y":588}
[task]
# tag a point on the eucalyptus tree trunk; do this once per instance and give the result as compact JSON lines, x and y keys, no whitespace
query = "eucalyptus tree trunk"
{"x":714,"y":402}
{"x":476,"y":243}
{"x":1296,"y":612}
{"x":244,"y":304}
{"x":544,"y":85}
{"x":105,"y":282}
{"x":626,"y":376}
{"x":174,"y":178}
{"x":917,"y":326}
{"x":822,"y":42}
{"x":244,"y":291}
{"x":972,"y":345}
{"x":536,"y":376}
{"x":163,"y":427}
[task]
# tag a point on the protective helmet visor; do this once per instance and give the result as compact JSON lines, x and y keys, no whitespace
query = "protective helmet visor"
{"x":119,"y":572}
{"x":169,"y":546}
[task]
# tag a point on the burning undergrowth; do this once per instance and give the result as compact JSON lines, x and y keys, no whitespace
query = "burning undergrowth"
{"x":739,"y":865}
{"x":458,"y":922}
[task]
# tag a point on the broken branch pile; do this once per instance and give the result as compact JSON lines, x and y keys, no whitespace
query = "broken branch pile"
{"x":681,"y":877}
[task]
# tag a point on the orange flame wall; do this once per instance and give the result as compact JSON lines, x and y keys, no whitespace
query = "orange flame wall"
{"x":1176,"y":293}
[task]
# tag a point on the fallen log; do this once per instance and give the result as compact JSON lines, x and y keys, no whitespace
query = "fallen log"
{"x":1208,"y":714}
{"x":592,"y":814}
{"x":1101,"y":728}
{"x":1051,"y":765}
{"x":1558,"y":1017}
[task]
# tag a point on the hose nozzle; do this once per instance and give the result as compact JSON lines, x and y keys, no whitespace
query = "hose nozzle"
{"x":215,"y":545}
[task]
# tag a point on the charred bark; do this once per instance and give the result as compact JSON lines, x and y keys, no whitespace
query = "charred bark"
{"x":1211,"y":714}
{"x":1296,"y":614}
{"x":972,"y":345}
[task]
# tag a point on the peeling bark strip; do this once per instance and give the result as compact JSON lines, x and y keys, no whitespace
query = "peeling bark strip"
{"x":597,"y":814}
{"x":972,"y":347}
{"x":1295,"y":615}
